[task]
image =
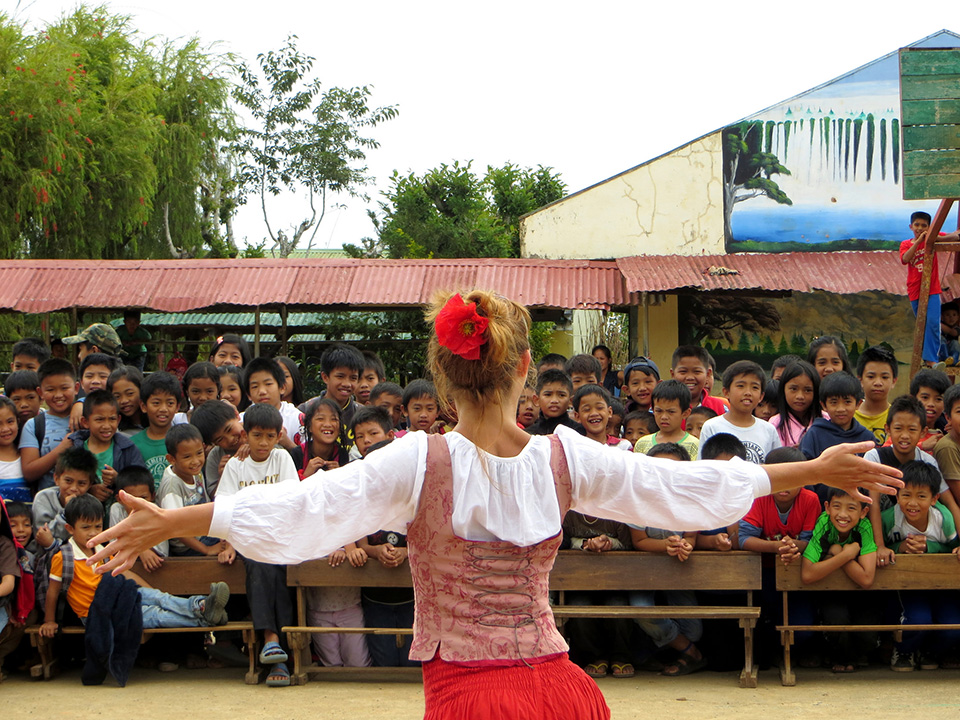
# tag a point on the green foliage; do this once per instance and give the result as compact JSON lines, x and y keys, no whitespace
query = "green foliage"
{"x":303,"y":137}
{"x":541,"y":337}
{"x":452,"y":212}
{"x":108,"y":142}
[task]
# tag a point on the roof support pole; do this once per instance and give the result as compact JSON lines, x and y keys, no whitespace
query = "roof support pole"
{"x":633,"y":330}
{"x":283,"y":329}
{"x":73,"y":320}
{"x":256,"y":332}
{"x":646,"y":324}
{"x":45,"y":328}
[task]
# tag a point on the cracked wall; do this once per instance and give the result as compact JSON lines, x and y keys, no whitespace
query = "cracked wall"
{"x":672,"y":205}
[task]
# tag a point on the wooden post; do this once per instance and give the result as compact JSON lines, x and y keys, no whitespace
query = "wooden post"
{"x":633,"y":331}
{"x":283,"y":330}
{"x":73,"y":320}
{"x":256,"y":332}
{"x":646,"y":324}
{"x":925,"y":281}
{"x":45,"y":328}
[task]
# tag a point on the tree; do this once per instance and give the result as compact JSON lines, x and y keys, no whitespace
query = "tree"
{"x":715,"y":317}
{"x":747,"y":171}
{"x":108,"y":141}
{"x":451,"y":212}
{"x":304,"y":138}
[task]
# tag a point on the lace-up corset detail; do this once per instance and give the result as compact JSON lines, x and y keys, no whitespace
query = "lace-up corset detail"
{"x":479,"y":601}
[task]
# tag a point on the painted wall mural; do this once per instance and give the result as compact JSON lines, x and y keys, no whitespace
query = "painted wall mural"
{"x":821,"y":171}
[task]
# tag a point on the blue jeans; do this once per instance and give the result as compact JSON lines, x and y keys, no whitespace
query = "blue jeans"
{"x":920,"y":607}
{"x":931,"y":333}
{"x":664,"y":631}
{"x":383,"y":648}
{"x":162,"y":610}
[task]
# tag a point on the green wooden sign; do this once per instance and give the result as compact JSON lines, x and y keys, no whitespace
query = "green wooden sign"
{"x":930,"y":117}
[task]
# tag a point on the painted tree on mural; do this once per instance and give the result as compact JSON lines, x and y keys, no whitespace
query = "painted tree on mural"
{"x":747,"y":171}
{"x":716,"y":317}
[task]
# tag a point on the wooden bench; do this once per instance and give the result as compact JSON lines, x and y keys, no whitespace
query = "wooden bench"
{"x":574,"y":570}
{"x":178,"y":576}
{"x":911,"y":572}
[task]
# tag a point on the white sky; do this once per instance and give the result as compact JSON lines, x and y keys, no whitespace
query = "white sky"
{"x":589,"y":88}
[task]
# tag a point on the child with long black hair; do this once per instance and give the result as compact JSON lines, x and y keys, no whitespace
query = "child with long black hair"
{"x":798,"y":402}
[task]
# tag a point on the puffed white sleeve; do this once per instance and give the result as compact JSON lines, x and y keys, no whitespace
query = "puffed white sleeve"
{"x":292,"y":522}
{"x":655,"y":492}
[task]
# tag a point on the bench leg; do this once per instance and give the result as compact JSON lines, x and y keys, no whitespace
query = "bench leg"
{"x":787,"y":676}
{"x":299,"y":647}
{"x":749,"y":675}
{"x":250,"y":640}
{"x":48,"y":666}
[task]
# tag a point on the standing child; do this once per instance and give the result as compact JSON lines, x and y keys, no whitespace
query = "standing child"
{"x":947,"y":451}
{"x":220,"y":428}
{"x":371,"y":425}
{"x":44,"y":437}
{"x":21,"y":387}
{"x":583,"y":370}
{"x":528,"y":411}
{"x":743,"y":384}
{"x":421,"y":407}
{"x":322,"y":446}
{"x":182,"y":486}
{"x":29,"y":354}
{"x":13,"y":487}
{"x":553,"y":395}
{"x":693,"y":366}
{"x":950,"y":332}
{"x":615,"y":424}
{"x":591,"y":408}
{"x":230,"y":349}
{"x":340,"y":368}
{"x":877,"y":371}
{"x":293,"y":381}
{"x":781,"y":364}
{"x":389,"y":396}
{"x":798,"y":402}
{"x":201,"y":383}
{"x":124,"y":383}
{"x":263,"y":381}
{"x":636,"y":425}
{"x":75,"y":472}
{"x":133,"y":336}
{"x":828,"y":355}
{"x":916,"y":525}
{"x":373,"y":374}
{"x":231,"y":387}
{"x":912,"y":254}
{"x":768,"y":406}
{"x":697,"y":417}
{"x":929,"y":386}
{"x":671,"y":408}
{"x":842,"y":540}
{"x":160,"y":396}
{"x":640,"y":377}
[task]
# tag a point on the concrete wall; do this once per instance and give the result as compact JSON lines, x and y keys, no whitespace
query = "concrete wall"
{"x":671,"y":205}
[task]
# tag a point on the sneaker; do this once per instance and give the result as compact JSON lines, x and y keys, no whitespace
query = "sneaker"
{"x":925,"y":661}
{"x":214,"y":604}
{"x":901,"y":662}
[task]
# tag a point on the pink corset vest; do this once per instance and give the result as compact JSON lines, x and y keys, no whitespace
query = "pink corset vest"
{"x":479,"y":601}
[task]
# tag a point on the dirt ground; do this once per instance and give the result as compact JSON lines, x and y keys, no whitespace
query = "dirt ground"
{"x":221,"y":695}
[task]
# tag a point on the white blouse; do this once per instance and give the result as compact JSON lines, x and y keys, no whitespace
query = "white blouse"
{"x":495,"y":498}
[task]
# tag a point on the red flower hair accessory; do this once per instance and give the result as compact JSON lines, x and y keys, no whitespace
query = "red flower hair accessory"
{"x":460,"y":329}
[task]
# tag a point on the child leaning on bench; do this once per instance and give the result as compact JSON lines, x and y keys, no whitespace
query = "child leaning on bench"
{"x":918,"y":524}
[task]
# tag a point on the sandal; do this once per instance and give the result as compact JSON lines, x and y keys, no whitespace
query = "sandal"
{"x":272,"y":653}
{"x":840,"y":668}
{"x":597,"y":669}
{"x":279,"y":676}
{"x":686,"y":664}
{"x":622,"y":670}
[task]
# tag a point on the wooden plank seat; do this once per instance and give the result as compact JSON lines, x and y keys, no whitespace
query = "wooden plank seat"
{"x":911,"y":572}
{"x":574,"y":571}
{"x":177,"y":576}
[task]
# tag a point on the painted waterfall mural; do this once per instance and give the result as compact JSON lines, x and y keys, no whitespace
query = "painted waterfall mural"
{"x":821,"y":171}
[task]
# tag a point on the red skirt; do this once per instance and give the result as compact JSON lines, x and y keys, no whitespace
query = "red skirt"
{"x":555,"y":689}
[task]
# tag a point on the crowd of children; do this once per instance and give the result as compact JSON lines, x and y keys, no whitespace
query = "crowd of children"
{"x":72,"y":437}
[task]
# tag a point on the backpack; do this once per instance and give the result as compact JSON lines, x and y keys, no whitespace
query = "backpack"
{"x":41,"y":575}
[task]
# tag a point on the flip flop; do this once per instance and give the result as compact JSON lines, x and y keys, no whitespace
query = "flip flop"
{"x":272,"y":653}
{"x":597,"y":669}
{"x":622,"y":670}
{"x":686,"y":665}
{"x":280,"y":672}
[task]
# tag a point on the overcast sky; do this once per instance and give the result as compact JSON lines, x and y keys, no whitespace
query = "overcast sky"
{"x":589,"y":88}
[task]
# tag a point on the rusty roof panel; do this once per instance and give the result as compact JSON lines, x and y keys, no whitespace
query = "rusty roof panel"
{"x":838,"y":272}
{"x":15,"y":283}
{"x":324,"y":283}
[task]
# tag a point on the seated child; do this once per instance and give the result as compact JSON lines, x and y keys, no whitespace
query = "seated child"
{"x":682,"y":633}
{"x":138,"y":482}
{"x":638,"y":424}
{"x":640,"y":377}
{"x":671,"y":408}
{"x":842,"y":540}
{"x":768,"y":406}
{"x":798,"y":402}
{"x":29,"y":354}
{"x":220,"y":427}
{"x":950,"y":331}
{"x":693,"y":366}
{"x":266,"y":464}
{"x":125,"y":384}
{"x":928,"y":386}
{"x":98,"y":434}
{"x":918,"y":524}
{"x":10,"y":574}
{"x":21,"y":523}
{"x":75,"y":472}
{"x":371,"y":425}
{"x":553,"y":394}
{"x":583,"y":370}
{"x":340,"y":368}
{"x":21,"y":387}
{"x":84,"y":520}
{"x":182,"y":486}
{"x":723,"y":447}
{"x":591,"y":408}
{"x":528,"y":410}
{"x":743,"y":384}
{"x":263,"y":381}
{"x":877,"y":371}
{"x":389,"y":396}
{"x":44,"y":437}
{"x":697,"y":417}
{"x":160,"y":396}
{"x":373,"y":374}
{"x":323,"y":446}
{"x":947,"y":451}
{"x":12,"y":484}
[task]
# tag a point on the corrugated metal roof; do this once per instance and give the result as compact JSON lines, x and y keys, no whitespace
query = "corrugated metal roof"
{"x":37,"y":286}
{"x":838,"y":272}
